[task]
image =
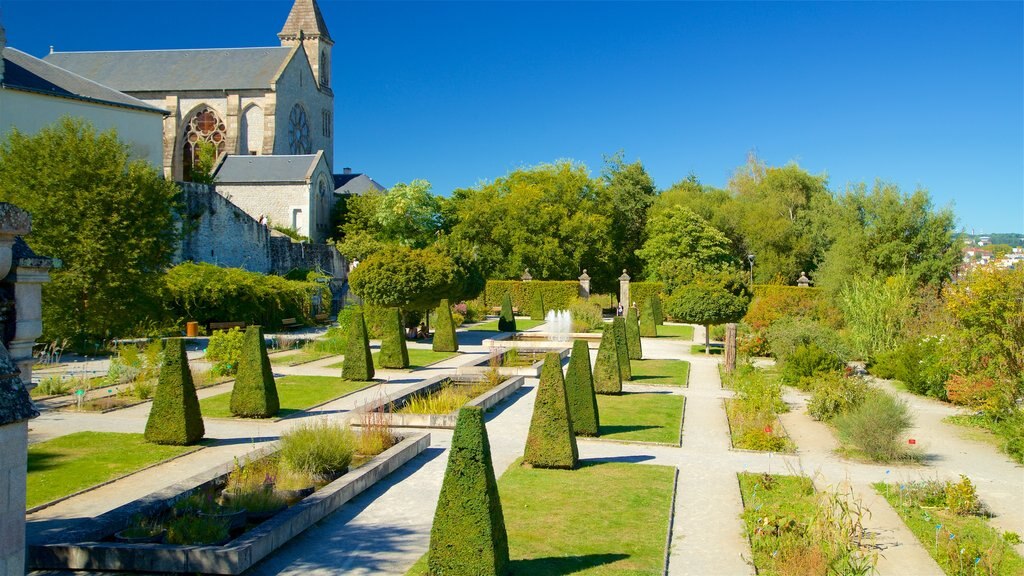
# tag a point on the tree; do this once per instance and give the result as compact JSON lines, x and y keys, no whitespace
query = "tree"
{"x":407,"y":215}
{"x":108,"y":218}
{"x":393,"y":351}
{"x":579,"y":388}
{"x":629,"y":192}
{"x":710,"y":299}
{"x":607,"y":376}
{"x":358,"y":363}
{"x":468,"y":535}
{"x":445,"y":339}
{"x":681,"y":244}
{"x":175,"y":417}
{"x":633,"y":335}
{"x":622,"y":348}
{"x":551,"y":442}
{"x":254,"y":394}
{"x":507,"y":320}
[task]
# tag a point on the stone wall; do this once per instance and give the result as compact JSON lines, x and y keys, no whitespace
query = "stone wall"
{"x":14,"y":439}
{"x":221,"y":233}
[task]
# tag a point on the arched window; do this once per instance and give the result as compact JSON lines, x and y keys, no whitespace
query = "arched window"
{"x":325,"y":70}
{"x":298,"y":131}
{"x":324,"y":203}
{"x":250,"y":130}
{"x":205,"y":126}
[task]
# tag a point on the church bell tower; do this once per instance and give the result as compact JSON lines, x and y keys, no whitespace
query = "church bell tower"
{"x":306,"y":24}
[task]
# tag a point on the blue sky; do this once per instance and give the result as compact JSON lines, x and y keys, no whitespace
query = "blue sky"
{"x":921,"y":94}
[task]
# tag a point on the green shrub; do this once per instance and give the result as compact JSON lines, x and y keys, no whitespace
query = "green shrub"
{"x":473,"y":311}
{"x":607,"y":376}
{"x":175,"y":417}
{"x":358,"y":364}
{"x":468,"y":535}
{"x":621,"y":348}
{"x":196,"y":530}
{"x":551,"y":442}
{"x":537,"y":310}
{"x":319,"y":449}
{"x":255,"y":392}
{"x":393,"y":351}
{"x":807,"y":361}
{"x":648,"y":321}
{"x":833,"y":394}
{"x":507,"y":321}
{"x":445,"y":339}
{"x":579,"y":388}
{"x":333,"y":341}
{"x":633,"y":348}
{"x":962,"y":497}
{"x":557,"y":293}
{"x":787,"y":334}
{"x":659,"y":311}
{"x":224,"y":351}
{"x":921,"y":363}
{"x":586,"y":315}
{"x":639,"y":292}
{"x":876,"y":427}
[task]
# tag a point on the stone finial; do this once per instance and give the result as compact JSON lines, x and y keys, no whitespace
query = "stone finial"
{"x":584,"y":276}
{"x":13,"y":222}
{"x":624,"y":277}
{"x":803,"y":281}
{"x":526,"y":275}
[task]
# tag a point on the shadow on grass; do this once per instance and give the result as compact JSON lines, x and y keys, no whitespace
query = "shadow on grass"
{"x":634,"y":381}
{"x":558,"y":565}
{"x":42,"y":460}
{"x":606,"y":430}
{"x":633,"y":459}
{"x":666,"y":379}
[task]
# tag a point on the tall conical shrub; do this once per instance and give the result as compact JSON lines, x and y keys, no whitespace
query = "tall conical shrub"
{"x":633,"y":347}
{"x":175,"y":417}
{"x":619,"y":324}
{"x":537,"y":310}
{"x":445,"y":339}
{"x":358,"y":363}
{"x":255,"y":392}
{"x":659,"y":313}
{"x":648,"y":322}
{"x":551,"y":442}
{"x":607,"y":376}
{"x":507,"y":320}
{"x":579,"y":387}
{"x":468,"y":536}
{"x":393,"y":351}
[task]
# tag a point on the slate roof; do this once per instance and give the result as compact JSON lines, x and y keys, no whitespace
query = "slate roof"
{"x":178,"y":70}
{"x":25,"y":72}
{"x":305,"y":17}
{"x":242,"y":169}
{"x":355,"y":184}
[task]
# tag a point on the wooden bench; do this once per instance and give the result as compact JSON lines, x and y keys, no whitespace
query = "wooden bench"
{"x":322,"y":317}
{"x":290,"y":323}
{"x":225,"y":326}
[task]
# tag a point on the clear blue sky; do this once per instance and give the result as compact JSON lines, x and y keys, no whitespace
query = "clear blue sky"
{"x":921,"y":94}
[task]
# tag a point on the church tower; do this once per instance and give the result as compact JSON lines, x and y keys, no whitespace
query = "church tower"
{"x":306,"y":24}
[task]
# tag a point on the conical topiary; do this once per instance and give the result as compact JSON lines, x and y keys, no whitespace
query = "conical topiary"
{"x":175,"y":417}
{"x":537,"y":310}
{"x":468,"y":536}
{"x":579,"y":388}
{"x":619,"y":324}
{"x":648,"y":323}
{"x":633,"y":347}
{"x":393,"y":351}
{"x":507,"y":320}
{"x":607,"y":376}
{"x":659,"y":313}
{"x":358,"y":363}
{"x":551,"y":442}
{"x":445,"y":339}
{"x":255,"y":392}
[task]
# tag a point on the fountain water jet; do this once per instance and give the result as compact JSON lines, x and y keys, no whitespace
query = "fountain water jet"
{"x":559,"y":324}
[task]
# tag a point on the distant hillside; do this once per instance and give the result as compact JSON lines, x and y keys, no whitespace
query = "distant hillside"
{"x":1010,"y":238}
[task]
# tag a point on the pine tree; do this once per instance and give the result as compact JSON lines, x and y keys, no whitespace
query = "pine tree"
{"x":579,"y":387}
{"x":175,"y":417}
{"x":648,"y":322}
{"x":633,"y":346}
{"x":358,"y":363}
{"x":619,"y":324}
{"x":607,"y":375}
{"x":551,"y":442}
{"x":393,"y":351}
{"x":445,"y":339}
{"x":255,"y":392}
{"x":507,"y":321}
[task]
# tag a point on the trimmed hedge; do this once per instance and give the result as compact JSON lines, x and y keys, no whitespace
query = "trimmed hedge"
{"x":579,"y":388}
{"x":255,"y":392}
{"x":507,"y":320}
{"x":619,"y":326}
{"x":659,"y":312}
{"x":774,"y":302}
{"x":537,"y":310}
{"x":633,"y":347}
{"x":393,"y":351}
{"x":558,"y":294}
{"x":358,"y":364}
{"x":607,"y":376}
{"x":445,"y":339}
{"x":175,"y":417}
{"x":648,"y":320}
{"x":468,"y":536}
{"x":551,"y":442}
{"x":639,"y":292}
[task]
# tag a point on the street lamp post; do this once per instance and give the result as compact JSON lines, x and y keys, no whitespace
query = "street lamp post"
{"x":750,"y":258}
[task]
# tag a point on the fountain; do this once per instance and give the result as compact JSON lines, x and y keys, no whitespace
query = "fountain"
{"x":559,"y":325}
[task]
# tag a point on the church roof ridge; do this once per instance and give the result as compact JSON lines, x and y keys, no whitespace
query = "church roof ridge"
{"x":305,"y":17}
{"x":169,"y":50}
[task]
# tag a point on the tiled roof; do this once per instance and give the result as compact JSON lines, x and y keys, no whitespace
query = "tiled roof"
{"x":239,"y":169}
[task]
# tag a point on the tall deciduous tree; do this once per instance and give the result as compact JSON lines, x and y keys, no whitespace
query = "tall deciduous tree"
{"x":681,"y":244}
{"x":107,"y":217}
{"x":710,"y":299}
{"x":629,"y":192}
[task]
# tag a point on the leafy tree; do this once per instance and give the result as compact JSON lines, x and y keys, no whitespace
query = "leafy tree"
{"x":407,"y":214}
{"x":629,"y":192}
{"x":710,"y":299}
{"x":681,"y":244}
{"x":205,"y":164}
{"x":108,"y":218}
{"x":877,"y":311}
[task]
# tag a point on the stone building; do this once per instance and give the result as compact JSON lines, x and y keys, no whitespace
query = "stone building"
{"x":246,"y":101}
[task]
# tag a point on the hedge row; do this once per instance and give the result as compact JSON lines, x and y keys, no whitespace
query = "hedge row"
{"x":772,"y":302}
{"x":639,"y":292}
{"x":557,"y":294}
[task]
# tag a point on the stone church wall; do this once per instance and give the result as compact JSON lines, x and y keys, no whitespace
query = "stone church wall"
{"x":297,"y":86}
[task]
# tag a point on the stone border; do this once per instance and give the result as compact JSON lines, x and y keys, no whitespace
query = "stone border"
{"x":533,"y":370}
{"x":241,"y":553}
{"x":387,"y":404}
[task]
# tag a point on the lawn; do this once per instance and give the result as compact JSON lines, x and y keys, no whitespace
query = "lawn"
{"x":602,"y":519}
{"x":418,"y":358}
{"x":296,"y":393}
{"x":684,"y":332}
{"x":641,"y":416}
{"x":661,"y":372}
{"x":521,"y":324}
{"x":300,"y":357}
{"x":68,"y":464}
{"x":944,"y":534}
{"x":715,"y":349}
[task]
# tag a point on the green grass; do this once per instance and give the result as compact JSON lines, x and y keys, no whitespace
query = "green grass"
{"x":602,"y":519}
{"x":790,"y":497}
{"x":670,"y":331}
{"x":296,"y":393}
{"x":715,"y":349}
{"x":68,"y":464}
{"x":971,"y":533}
{"x":300,"y":357}
{"x":641,"y":416}
{"x":521,"y":324}
{"x":660,"y":372}
{"x":1005,"y":435}
{"x":756,"y":430}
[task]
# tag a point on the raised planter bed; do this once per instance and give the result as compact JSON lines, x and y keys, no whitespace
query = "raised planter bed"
{"x":84,"y":549}
{"x":498,"y":356}
{"x":541,"y":339}
{"x":389,"y":407}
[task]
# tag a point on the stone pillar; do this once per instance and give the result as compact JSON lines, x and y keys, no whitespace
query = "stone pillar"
{"x":730,"y":347}
{"x":624,"y":291}
{"x":526,"y":275}
{"x":803,"y":281}
{"x":28,"y":275}
{"x":585,"y":285}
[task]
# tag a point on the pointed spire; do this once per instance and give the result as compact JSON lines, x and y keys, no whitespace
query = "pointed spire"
{"x":305,"y":19}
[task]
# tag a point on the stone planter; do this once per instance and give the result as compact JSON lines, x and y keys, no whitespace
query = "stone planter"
{"x":235,"y":519}
{"x":293,"y":496}
{"x":154,"y":538}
